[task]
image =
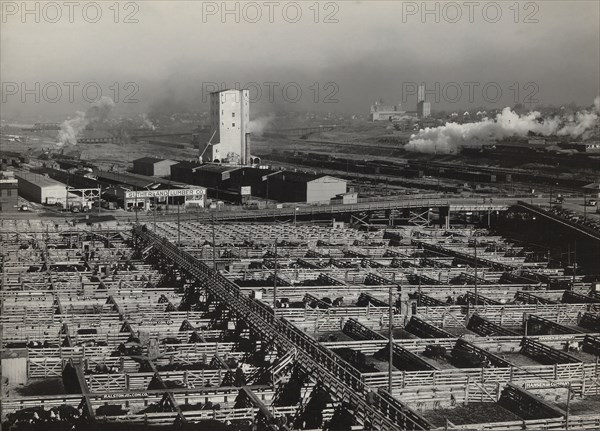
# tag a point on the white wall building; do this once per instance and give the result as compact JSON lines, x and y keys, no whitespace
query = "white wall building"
{"x":229,"y":118}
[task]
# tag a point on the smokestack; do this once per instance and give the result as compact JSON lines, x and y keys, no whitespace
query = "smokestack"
{"x":246,"y":160}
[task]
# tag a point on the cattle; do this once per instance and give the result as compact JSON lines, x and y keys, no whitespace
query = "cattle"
{"x":355,"y":358}
{"x":64,"y":413}
{"x":466,"y":359}
{"x":129,"y":349}
{"x":171,"y":340}
{"x":435,"y":351}
{"x":35,"y":344}
{"x":101,"y":369}
{"x":338,"y":302}
{"x":30,"y":415}
{"x":573,"y":346}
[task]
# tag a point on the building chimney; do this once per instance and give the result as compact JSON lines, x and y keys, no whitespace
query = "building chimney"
{"x":247,"y":160}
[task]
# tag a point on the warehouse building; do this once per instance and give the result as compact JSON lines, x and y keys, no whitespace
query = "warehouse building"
{"x":41,"y":189}
{"x":9,"y":191}
{"x":207,"y":175}
{"x":153,"y":167}
{"x":303,"y":187}
{"x":134,"y":190}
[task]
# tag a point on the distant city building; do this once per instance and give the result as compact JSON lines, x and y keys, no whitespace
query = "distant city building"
{"x":587,"y":147}
{"x":421,"y":94}
{"x":381,"y":112}
{"x":423,"y":109}
{"x":229,"y":118}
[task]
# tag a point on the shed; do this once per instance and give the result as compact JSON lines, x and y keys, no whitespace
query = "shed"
{"x":153,"y":167}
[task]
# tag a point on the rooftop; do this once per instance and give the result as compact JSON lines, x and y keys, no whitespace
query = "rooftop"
{"x":137,"y":180}
{"x":37,"y":179}
{"x":150,"y":160}
{"x":301,"y":177}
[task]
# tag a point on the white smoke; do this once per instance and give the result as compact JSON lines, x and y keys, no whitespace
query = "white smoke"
{"x":260,"y":124}
{"x":147,"y":122}
{"x":582,"y":122}
{"x":452,"y":136}
{"x":96,"y":114}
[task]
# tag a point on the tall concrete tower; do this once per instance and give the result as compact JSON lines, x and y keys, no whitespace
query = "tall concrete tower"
{"x":423,"y":107}
{"x":421,"y":93}
{"x":229,"y":118}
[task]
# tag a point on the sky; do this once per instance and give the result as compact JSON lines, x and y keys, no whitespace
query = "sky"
{"x":160,"y":57}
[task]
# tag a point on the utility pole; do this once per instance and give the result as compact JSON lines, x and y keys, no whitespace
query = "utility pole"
{"x":214,"y":246}
{"x":275,"y":277}
{"x":154,"y":213}
{"x":568,"y":405}
{"x":178,"y":226}
{"x":391,"y":336}
{"x":574,"y":264}
{"x":476,"y":296}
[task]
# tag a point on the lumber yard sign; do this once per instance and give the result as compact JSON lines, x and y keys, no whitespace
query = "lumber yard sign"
{"x":197,"y":193}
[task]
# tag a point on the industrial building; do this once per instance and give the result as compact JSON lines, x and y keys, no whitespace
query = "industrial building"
{"x":223,"y":182}
{"x":588,"y":147}
{"x":229,"y":118}
{"x":283,"y":186}
{"x":153,"y":167}
{"x":41,"y":189}
{"x":303,"y":187}
{"x":145,"y":192}
{"x":13,"y":159}
{"x":8,"y":191}
{"x":381,"y":112}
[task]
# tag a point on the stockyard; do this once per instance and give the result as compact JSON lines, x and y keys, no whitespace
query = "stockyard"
{"x":247,"y":325}
{"x":300,"y":216}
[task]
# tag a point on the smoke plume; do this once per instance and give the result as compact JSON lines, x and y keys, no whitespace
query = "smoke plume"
{"x":260,"y":124}
{"x":451,"y":137}
{"x":146,"y":122}
{"x":95,"y":115}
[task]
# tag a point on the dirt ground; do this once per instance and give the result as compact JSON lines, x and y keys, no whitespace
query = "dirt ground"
{"x":586,"y":406}
{"x":519,"y":359}
{"x":442,"y":363}
{"x":473,"y":413}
